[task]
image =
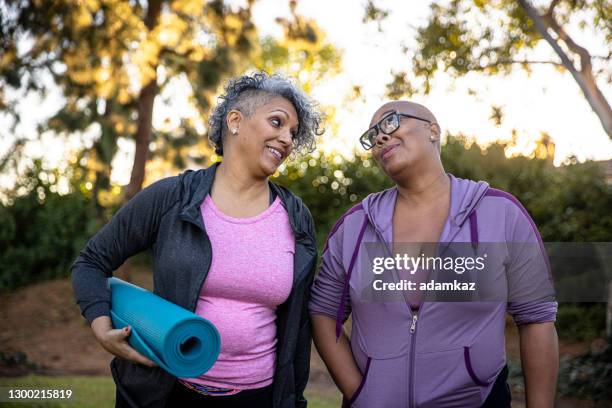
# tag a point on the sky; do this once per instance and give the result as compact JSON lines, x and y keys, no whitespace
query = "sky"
{"x":546,"y":100}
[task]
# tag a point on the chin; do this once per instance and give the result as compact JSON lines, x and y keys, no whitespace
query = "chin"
{"x":268,"y":168}
{"x":396,"y":167}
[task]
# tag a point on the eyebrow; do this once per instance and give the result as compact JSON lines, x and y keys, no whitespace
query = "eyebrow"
{"x":383,"y":114}
{"x":280,"y":110}
{"x":296,"y":127}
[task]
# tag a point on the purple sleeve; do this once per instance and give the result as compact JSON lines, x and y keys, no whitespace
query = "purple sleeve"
{"x":530,"y":286}
{"x":329,"y":283}
{"x":533,"y":312}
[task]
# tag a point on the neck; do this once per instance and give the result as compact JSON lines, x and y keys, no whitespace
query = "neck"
{"x":235,"y":180}
{"x":424,"y":187}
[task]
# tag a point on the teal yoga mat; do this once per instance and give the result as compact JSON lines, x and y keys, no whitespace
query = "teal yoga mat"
{"x":179,"y":341}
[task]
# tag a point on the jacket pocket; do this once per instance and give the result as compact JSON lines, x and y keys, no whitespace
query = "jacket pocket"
{"x":442,"y":380}
{"x":457,"y":377}
{"x":142,"y":386}
{"x":470,"y":369}
{"x":484,"y":358}
{"x":383,"y":384}
{"x":361,"y":384}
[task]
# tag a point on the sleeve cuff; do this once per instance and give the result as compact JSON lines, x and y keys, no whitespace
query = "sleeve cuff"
{"x":528,"y":313}
{"x":96,"y":310}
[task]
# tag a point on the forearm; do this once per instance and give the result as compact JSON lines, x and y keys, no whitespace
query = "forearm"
{"x":540,"y":362}
{"x":90,"y":289}
{"x":336,"y":355}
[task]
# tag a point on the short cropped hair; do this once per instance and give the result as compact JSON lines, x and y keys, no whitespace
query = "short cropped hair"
{"x":247,"y":93}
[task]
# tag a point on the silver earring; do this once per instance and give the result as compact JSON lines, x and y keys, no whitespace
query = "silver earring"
{"x":234,"y":131}
{"x":433,"y":139}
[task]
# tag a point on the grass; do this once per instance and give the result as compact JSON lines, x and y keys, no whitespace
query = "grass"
{"x":98,"y":392}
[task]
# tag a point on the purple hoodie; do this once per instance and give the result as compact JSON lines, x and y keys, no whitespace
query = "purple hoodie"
{"x":445,"y":354}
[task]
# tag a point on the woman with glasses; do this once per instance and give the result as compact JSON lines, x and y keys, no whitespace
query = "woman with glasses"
{"x":412,"y":344}
{"x":228,"y":245}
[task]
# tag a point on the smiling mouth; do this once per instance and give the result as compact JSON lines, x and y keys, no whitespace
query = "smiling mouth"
{"x":387,"y":151}
{"x":276,"y":153}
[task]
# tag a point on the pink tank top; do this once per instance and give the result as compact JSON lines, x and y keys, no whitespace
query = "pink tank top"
{"x":250,"y":275}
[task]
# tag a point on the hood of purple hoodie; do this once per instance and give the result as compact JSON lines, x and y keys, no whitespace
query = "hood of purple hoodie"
{"x":465,"y":195}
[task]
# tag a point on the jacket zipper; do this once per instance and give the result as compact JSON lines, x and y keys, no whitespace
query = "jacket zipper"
{"x":413,"y":327}
{"x":414,"y":322}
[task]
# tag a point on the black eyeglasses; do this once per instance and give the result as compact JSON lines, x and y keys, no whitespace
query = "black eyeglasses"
{"x":388,"y":124}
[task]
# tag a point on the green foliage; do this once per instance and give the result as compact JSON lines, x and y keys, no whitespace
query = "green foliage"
{"x":568,"y":204}
{"x":588,"y":376}
{"x":110,"y":59}
{"x":331,"y":185}
{"x":492,"y":37}
{"x":486,"y":36}
{"x":42,"y":231}
{"x":580,"y":322}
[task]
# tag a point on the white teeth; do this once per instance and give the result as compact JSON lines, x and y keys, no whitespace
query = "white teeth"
{"x":275,"y":152}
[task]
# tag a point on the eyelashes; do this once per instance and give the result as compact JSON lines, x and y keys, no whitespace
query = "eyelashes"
{"x":278,"y":122}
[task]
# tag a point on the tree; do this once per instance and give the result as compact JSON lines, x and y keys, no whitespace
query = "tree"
{"x":494,"y":36}
{"x":112,"y":58}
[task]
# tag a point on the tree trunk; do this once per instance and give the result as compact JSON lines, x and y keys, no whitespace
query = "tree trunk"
{"x":609,"y":313}
{"x":583,"y":77}
{"x":143,"y":137}
{"x":146,"y":99}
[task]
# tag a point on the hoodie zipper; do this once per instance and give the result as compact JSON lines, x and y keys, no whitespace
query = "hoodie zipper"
{"x":413,"y":327}
{"x":413,"y":331}
{"x":414,"y":322}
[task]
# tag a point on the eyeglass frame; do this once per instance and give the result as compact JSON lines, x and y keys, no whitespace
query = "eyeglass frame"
{"x":379,"y":129}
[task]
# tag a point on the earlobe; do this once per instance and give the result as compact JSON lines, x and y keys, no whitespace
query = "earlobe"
{"x":233,"y":121}
{"x":435,"y":132}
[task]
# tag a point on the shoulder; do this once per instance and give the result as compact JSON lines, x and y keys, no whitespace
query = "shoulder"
{"x":353,"y":216}
{"x":161,"y":192}
{"x":353,"y":213}
{"x":296,"y":208}
{"x":518,"y":220}
{"x":502,"y":200}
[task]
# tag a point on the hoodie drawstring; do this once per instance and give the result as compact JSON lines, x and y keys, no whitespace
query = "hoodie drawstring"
{"x":474,"y":229}
{"x":473,"y":218}
{"x":345,"y":290}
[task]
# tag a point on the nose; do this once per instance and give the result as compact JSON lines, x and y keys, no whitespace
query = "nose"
{"x":381,"y":138}
{"x":286,"y":138}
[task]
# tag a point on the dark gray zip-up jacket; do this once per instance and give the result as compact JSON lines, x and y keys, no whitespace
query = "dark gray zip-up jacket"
{"x":166,"y":218}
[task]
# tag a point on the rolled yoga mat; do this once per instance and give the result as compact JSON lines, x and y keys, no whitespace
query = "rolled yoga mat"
{"x":179,"y":341}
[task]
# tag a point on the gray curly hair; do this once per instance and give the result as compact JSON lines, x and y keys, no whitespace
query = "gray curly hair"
{"x":247,"y":93}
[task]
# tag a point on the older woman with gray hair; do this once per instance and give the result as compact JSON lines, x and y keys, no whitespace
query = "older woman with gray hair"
{"x":227,"y":244}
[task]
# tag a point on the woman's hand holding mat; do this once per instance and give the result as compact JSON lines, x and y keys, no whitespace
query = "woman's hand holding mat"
{"x":179,"y":341}
{"x":115,"y":341}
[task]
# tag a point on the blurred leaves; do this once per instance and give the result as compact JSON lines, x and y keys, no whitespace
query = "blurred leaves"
{"x":41,"y":231}
{"x":101,"y":54}
{"x":569,"y":203}
{"x":42,"y":227}
{"x":375,"y":13}
{"x":492,"y":37}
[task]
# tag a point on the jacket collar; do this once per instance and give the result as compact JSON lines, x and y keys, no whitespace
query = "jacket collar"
{"x":196,"y":185}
